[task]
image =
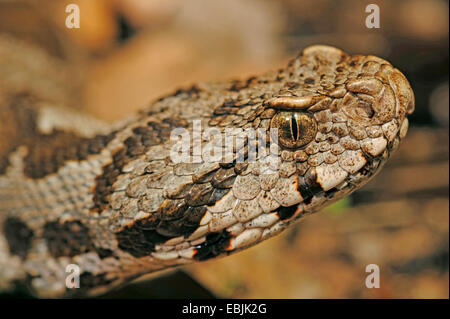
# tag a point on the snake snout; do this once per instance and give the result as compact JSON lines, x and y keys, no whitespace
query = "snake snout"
{"x":370,"y":101}
{"x":381,"y":98}
{"x":404,"y":96}
{"x":404,"y":92}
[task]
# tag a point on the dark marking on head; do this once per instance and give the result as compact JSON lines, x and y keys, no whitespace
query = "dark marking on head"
{"x":172,"y":214}
{"x":365,"y":171}
{"x":192,"y":219}
{"x":239,"y":168}
{"x":199,"y":194}
{"x":224,"y":178}
{"x":287,"y":212}
{"x":67,"y":239}
{"x":330,"y":193}
{"x":180,"y":217}
{"x":214,"y":245}
{"x":174,"y":218}
{"x":18,"y":235}
{"x":371,"y":165}
{"x":143,"y":137}
{"x":217,"y":195}
{"x":308,"y":185}
{"x":204,"y":177}
{"x":140,"y":238}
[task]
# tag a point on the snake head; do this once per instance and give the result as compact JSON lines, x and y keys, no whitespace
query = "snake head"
{"x":337,"y":118}
{"x":334,"y":120}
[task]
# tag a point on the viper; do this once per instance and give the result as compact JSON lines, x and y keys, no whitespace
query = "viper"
{"x":111,"y":200}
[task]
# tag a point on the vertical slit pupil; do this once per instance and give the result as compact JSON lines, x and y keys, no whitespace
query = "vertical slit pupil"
{"x":294,"y":127}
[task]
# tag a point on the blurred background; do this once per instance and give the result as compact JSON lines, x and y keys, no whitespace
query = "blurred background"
{"x":129,"y":52}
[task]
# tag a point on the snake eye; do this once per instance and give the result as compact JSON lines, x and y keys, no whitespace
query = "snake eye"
{"x":295,"y":129}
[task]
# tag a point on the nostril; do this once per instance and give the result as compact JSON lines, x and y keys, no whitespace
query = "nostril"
{"x":365,"y":109}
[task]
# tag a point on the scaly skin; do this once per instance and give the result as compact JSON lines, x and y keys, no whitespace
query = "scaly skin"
{"x":113,"y":202}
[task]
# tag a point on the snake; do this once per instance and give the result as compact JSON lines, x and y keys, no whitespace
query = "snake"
{"x":114,"y":202}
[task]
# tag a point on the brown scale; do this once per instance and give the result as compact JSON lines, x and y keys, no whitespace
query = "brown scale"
{"x":139,"y":238}
{"x":214,"y":245}
{"x":308,"y":185}
{"x":224,"y":178}
{"x":181,"y":214}
{"x":217,"y":195}
{"x":240,"y":168}
{"x":181,"y":192}
{"x":183,"y":226}
{"x":227,"y":107}
{"x":143,"y":137}
{"x":174,"y":217}
{"x":179,"y":217}
{"x":203,"y":177}
{"x":199,"y":194}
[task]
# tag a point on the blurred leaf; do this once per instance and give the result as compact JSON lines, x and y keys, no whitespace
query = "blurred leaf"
{"x":339,"y":207}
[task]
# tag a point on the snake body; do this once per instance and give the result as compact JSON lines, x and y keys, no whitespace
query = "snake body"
{"x":112,"y":201}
